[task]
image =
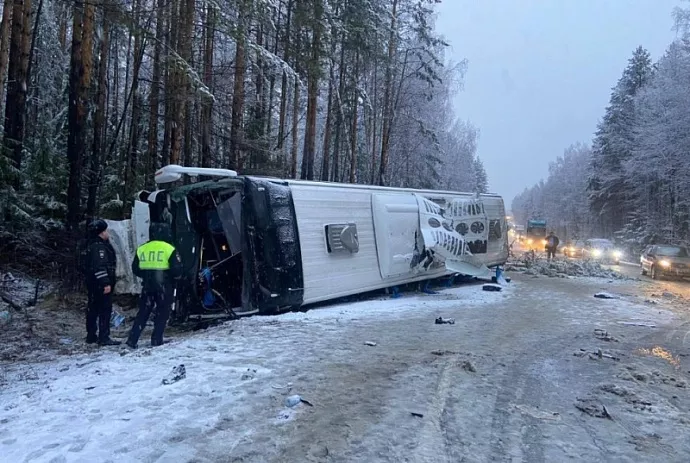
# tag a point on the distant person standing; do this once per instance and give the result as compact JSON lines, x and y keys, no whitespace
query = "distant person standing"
{"x":552,"y":242}
{"x":100,"y":280}
{"x":158,"y":264}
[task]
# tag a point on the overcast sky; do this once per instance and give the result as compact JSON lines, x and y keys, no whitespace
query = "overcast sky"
{"x":540,"y":73}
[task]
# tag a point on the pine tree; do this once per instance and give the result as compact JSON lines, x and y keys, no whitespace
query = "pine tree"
{"x":613,"y":144}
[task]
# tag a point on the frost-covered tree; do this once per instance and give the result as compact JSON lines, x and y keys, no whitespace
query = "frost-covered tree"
{"x":562,"y":198}
{"x":99,"y":95}
{"x":613,"y":144}
{"x":481,"y":180}
{"x":658,"y":171}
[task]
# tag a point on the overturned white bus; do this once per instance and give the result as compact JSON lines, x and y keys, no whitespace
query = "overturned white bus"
{"x":265,"y":245}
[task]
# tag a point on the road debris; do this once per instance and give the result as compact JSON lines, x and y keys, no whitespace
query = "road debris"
{"x":179,"y":372}
{"x":604,"y":335}
{"x":648,"y":325}
{"x":593,"y":407}
{"x":445,"y":321}
{"x":494,"y":288}
{"x":292,"y":400}
{"x":418,"y":415}
{"x":443,"y":352}
{"x":296,"y":399}
{"x":604,"y":295}
{"x":596,"y":355}
{"x":370,"y":343}
{"x":564,"y":268}
{"x":468,"y":366}
{"x":249,"y":374}
{"x":536,"y":413}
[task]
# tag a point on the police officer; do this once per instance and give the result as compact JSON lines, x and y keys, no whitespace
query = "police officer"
{"x":158,"y":264}
{"x":100,"y":280}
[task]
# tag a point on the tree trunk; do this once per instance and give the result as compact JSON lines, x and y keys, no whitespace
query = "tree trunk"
{"x":339,"y":117}
{"x":388,"y":96}
{"x":282,"y":118}
{"x":154,"y":95}
{"x":99,"y":119}
{"x":374,"y":112}
{"x":17,"y":86}
{"x":207,"y":109}
{"x":132,"y":162}
{"x":185,"y":93}
{"x":325,"y":166}
{"x":353,"y":134}
{"x":175,"y":86}
{"x":5,"y":46}
{"x":295,"y":120}
{"x":271,"y":90}
{"x":236,"y":132}
{"x":30,"y":45}
{"x":313,"y":72}
{"x":63,"y":17}
{"x":75,"y":120}
{"x":169,"y":92}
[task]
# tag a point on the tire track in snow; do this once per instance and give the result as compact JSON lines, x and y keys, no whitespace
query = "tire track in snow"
{"x":431,"y":446}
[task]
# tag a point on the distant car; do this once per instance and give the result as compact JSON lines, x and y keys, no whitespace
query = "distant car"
{"x":665,"y":260}
{"x":574,"y":249}
{"x":601,"y":250}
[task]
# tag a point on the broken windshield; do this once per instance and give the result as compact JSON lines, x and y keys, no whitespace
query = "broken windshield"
{"x":229,"y":213}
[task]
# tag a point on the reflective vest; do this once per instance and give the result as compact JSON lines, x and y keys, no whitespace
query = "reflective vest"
{"x":155,"y":255}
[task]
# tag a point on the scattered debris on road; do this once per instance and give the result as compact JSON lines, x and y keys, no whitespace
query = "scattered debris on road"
{"x":445,"y":321}
{"x":596,"y":355}
{"x":292,"y":400}
{"x":534,"y":412}
{"x":593,"y":407}
{"x":249,"y":374}
{"x":494,"y":288}
{"x":604,"y":295}
{"x":648,"y":325}
{"x":370,"y":343}
{"x":604,"y":335}
{"x":179,"y":372}
{"x":564,"y":269}
{"x":443,"y":352}
{"x":418,"y":415}
{"x":469,"y":366}
{"x":296,"y":399}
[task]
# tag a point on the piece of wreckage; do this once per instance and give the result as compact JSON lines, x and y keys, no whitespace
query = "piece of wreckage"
{"x":265,"y":245}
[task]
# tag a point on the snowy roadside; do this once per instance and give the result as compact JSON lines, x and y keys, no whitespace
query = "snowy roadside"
{"x":111,"y":405}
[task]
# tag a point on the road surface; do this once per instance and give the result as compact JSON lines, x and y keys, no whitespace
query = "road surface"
{"x":540,"y":372}
{"x":679,"y":287}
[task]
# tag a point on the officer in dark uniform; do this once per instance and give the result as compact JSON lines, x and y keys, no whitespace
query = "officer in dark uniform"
{"x":100,"y":281}
{"x":159,"y":265}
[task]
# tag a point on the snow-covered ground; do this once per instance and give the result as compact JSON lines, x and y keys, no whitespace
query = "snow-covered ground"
{"x":522,"y":375}
{"x":113,"y":405}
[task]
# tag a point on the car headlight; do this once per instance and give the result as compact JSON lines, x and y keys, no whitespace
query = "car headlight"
{"x":617,"y":254}
{"x":596,"y":252}
{"x":530,"y":241}
{"x":665,"y":263}
{"x":543,"y":242}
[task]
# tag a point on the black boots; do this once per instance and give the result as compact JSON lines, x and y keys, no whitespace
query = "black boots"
{"x":109,"y":342}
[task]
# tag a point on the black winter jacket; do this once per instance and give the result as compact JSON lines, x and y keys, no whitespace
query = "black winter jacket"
{"x":102,"y":263}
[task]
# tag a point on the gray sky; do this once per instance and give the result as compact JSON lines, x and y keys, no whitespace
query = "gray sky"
{"x":540,"y":73}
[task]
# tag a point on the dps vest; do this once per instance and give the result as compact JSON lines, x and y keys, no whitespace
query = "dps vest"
{"x":155,"y":255}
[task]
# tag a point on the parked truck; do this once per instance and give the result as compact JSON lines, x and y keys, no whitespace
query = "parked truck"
{"x":535,"y":235}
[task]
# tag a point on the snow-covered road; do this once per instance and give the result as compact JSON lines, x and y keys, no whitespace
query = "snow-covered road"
{"x":508,"y":381}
